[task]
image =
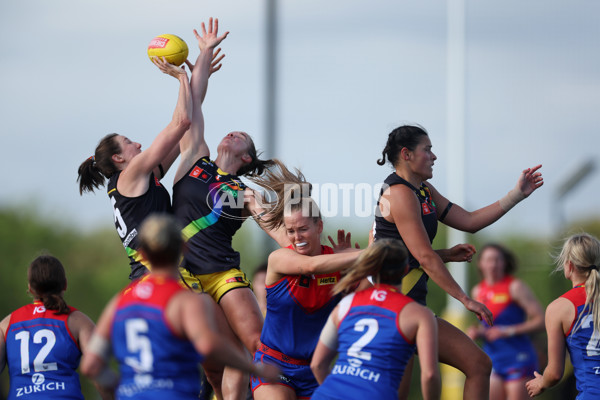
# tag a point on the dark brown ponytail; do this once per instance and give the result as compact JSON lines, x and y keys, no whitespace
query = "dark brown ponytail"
{"x":407,"y":136}
{"x":256,"y":167}
{"x":47,"y":280}
{"x":94,"y":170}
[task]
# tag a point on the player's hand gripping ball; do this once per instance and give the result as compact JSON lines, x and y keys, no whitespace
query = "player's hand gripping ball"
{"x":171,"y":47}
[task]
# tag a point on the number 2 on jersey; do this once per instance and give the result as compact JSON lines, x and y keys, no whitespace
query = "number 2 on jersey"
{"x":356,"y":350}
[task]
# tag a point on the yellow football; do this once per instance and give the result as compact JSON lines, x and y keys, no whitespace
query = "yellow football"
{"x":171,"y":47}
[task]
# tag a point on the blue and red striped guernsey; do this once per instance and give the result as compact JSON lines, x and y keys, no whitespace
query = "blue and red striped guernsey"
{"x":42,"y":355}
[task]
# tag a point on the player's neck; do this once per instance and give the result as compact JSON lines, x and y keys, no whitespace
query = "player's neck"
{"x":228,"y":163}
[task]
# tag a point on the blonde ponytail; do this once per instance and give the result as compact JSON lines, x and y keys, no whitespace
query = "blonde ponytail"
{"x":385,"y":260}
{"x":583,"y":250}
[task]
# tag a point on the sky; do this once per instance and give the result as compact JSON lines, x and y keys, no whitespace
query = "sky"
{"x":348,"y":73}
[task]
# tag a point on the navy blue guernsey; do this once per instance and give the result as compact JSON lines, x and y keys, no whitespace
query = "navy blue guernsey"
{"x":130,"y":212}
{"x":385,"y":229}
{"x":208,"y":204}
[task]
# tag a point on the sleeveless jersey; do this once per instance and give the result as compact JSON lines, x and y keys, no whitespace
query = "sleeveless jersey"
{"x":386,"y":229}
{"x":583,"y":347}
{"x":373,"y":352}
{"x":208,"y":203}
{"x":42,"y":355}
{"x":130,"y":212}
{"x":414,"y":286}
{"x":506,"y":312}
{"x":154,"y":363}
{"x":297,"y":308}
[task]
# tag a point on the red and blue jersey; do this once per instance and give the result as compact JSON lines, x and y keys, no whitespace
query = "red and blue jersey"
{"x":297,"y":308}
{"x":510,"y":353}
{"x":583,"y":346}
{"x":154,"y":362}
{"x":373,"y":351}
{"x":42,"y":355}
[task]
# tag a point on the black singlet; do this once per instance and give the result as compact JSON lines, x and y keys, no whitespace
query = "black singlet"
{"x":130,"y":212}
{"x":386,"y":229}
{"x":208,"y":204}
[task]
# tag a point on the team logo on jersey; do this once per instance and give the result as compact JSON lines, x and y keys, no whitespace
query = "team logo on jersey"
{"x":304,"y":281}
{"x":200,"y":174}
{"x":499,"y":298}
{"x":144,"y":290}
{"x":426,"y":209}
{"x":37,"y":379}
{"x":330,"y":280}
{"x":39,"y":310}
{"x":378,"y":295}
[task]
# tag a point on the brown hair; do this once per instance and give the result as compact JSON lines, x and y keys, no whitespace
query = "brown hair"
{"x":385,"y":260}
{"x":256,"y":167}
{"x":291,"y":193}
{"x":510,"y":261}
{"x":47,"y":280}
{"x":160,"y":240}
{"x":94,"y":170}
{"x":583,"y":250}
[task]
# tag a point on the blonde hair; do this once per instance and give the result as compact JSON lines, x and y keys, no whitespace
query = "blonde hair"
{"x":292,"y":193}
{"x":385,"y":260}
{"x":583,"y":250}
{"x":161,"y":240}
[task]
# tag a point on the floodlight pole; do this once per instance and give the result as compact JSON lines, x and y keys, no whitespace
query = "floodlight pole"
{"x":455,"y":313}
{"x":270,"y":115}
{"x":271,"y":79}
{"x":566,"y":187}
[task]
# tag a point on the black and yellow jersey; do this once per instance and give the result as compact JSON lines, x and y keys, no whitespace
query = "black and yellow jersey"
{"x":208,"y":204}
{"x":130,"y":212}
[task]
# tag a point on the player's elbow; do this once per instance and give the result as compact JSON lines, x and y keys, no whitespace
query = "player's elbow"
{"x":552,"y":376}
{"x":183,"y":123}
{"x":319,"y":370}
{"x":89,"y":366}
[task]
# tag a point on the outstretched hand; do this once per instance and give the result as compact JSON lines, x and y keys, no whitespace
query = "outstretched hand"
{"x":530,"y":180}
{"x":215,"y":65}
{"x":210,"y":38}
{"x":168,"y":68}
{"x":461,"y":252}
{"x":344,"y":242}
{"x":480,"y":310}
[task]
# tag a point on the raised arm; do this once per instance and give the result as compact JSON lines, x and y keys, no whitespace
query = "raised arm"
{"x":406,"y":214}
{"x":193,"y":146}
{"x":288,"y":262}
{"x":558,"y":315}
{"x":472,"y":221}
{"x":134,"y":179}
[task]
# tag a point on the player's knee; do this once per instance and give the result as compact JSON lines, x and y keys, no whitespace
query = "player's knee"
{"x":484,"y":364}
{"x":480,"y":364}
